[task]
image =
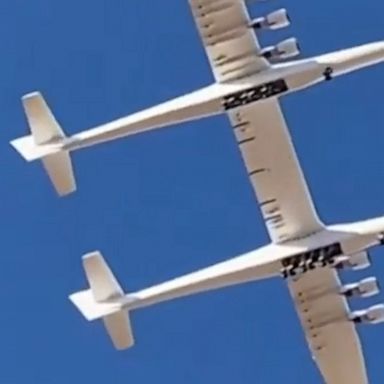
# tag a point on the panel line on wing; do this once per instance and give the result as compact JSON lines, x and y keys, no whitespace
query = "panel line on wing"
{"x":241,"y":125}
{"x":274,"y":171}
{"x":267,"y":202}
{"x":244,"y":141}
{"x":256,"y":171}
{"x":231,"y":45}
{"x":332,"y":338}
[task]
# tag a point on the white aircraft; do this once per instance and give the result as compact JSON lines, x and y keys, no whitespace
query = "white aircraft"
{"x":310,"y":266}
{"x":249,"y":81}
{"x":303,"y":250}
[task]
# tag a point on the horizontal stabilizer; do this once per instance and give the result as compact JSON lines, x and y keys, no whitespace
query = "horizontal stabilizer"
{"x":46,"y":143}
{"x":119,"y":329}
{"x":60,"y":171}
{"x":104,"y":300}
{"x":44,"y":126}
{"x":28,"y":149}
{"x":91,"y":309}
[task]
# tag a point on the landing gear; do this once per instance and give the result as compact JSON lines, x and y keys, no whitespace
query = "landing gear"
{"x":299,"y":268}
{"x":290,"y":270}
{"x":328,"y":72}
{"x":381,"y":238}
{"x":308,"y":261}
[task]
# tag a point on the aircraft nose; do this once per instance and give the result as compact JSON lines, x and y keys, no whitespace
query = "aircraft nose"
{"x":348,"y":60}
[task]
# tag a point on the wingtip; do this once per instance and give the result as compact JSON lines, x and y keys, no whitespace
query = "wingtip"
{"x":31,"y":95}
{"x":91,"y":255}
{"x":67,"y":192}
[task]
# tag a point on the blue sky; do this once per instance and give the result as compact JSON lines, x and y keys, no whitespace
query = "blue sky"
{"x":168,"y":202}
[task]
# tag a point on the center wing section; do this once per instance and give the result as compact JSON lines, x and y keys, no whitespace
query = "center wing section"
{"x":274,"y":171}
{"x":231,"y":45}
{"x":332,"y":338}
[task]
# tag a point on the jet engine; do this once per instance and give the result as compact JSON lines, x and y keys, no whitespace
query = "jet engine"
{"x":372,"y":315}
{"x":284,"y":50}
{"x":275,"y":20}
{"x":357,"y":261}
{"x":364,"y":288}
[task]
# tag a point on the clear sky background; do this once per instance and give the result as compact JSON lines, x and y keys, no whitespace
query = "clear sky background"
{"x":172,"y":201}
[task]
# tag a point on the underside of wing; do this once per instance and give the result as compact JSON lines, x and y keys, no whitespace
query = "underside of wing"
{"x":332,"y":338}
{"x":231,"y":46}
{"x":274,"y":171}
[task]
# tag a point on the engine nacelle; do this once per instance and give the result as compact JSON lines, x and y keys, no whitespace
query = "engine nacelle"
{"x":284,"y":50}
{"x":356,"y":262}
{"x":275,"y":20}
{"x":372,"y":315}
{"x":360,"y":260}
{"x":364,"y":288}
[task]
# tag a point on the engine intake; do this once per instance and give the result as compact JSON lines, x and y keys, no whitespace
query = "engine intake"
{"x":372,"y":315}
{"x":364,"y":288}
{"x":275,"y":20}
{"x":284,"y":50}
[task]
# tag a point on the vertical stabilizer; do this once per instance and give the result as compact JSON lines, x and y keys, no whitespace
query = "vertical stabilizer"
{"x":104,"y":300}
{"x":46,"y":143}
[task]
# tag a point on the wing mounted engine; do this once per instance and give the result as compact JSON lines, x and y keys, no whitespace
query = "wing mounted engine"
{"x":275,"y":20}
{"x":364,"y":288}
{"x":372,"y":315}
{"x":284,"y":50}
{"x":356,"y":262}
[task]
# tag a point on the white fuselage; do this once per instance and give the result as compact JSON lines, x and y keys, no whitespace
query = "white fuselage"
{"x":220,"y":97}
{"x":263,"y":263}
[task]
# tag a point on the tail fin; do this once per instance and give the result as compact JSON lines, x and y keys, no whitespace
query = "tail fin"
{"x":45,"y":143}
{"x":104,"y":300}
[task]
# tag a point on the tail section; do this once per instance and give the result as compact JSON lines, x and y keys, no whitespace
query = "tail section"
{"x":119,"y":329}
{"x":104,"y":301}
{"x":45,"y":143}
{"x":43,"y":124}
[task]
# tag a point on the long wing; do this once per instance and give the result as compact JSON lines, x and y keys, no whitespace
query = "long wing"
{"x":274,"y":171}
{"x":332,"y":338}
{"x":231,"y":46}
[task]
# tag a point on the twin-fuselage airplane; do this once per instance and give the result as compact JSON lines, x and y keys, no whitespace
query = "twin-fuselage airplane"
{"x":308,"y":254}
